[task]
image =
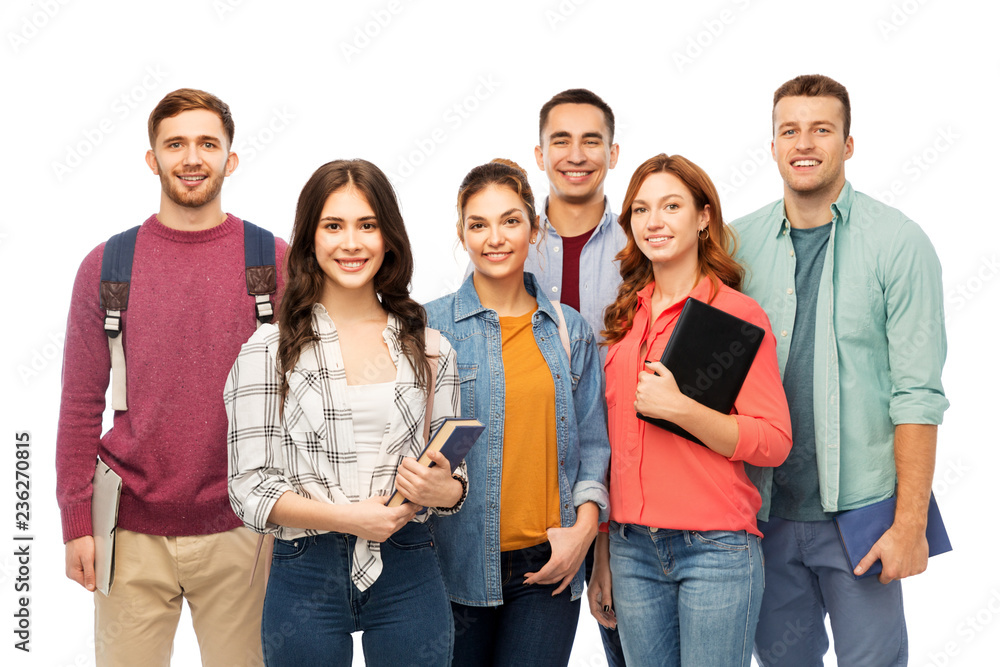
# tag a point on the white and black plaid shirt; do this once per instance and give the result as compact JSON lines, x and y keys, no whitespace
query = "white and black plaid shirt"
{"x":311,"y":450}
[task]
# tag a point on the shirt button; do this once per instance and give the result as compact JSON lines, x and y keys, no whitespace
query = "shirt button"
{"x":790,"y":290}
{"x":791,"y":253}
{"x":555,"y":249}
{"x":784,"y":333}
{"x":555,"y":289}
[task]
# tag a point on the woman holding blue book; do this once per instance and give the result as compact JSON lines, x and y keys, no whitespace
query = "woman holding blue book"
{"x":529,"y":370}
{"x":326,"y":414}
{"x":681,"y":560}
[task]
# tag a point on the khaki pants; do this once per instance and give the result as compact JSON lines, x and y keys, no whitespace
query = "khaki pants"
{"x":135,"y":625}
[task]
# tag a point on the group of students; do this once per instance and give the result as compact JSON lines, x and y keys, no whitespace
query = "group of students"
{"x":329,"y":407}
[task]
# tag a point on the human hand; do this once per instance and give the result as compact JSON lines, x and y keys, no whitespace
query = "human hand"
{"x":903,"y":551}
{"x":372,"y":520}
{"x":657,"y":394}
{"x":80,"y":561}
{"x":599,"y":588}
{"x":429,"y":486}
{"x":569,"y":548}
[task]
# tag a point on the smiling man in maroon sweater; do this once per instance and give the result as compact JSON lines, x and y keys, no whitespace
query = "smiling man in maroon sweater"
{"x":188,"y":314}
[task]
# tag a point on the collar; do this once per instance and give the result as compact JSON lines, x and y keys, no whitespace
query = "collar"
{"x":467,"y":303}
{"x":840,"y":210}
{"x":601,"y":226}
{"x":701,"y":291}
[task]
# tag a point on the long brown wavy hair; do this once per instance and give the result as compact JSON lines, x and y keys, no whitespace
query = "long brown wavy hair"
{"x":715,"y":253}
{"x":304,"y":284}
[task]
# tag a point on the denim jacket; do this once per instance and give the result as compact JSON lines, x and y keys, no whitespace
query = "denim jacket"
{"x":468,"y":543}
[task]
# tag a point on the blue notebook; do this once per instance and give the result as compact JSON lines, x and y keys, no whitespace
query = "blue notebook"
{"x":861,"y":528}
{"x":454,"y":438}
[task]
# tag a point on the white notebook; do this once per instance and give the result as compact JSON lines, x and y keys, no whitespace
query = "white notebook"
{"x":104,"y":516}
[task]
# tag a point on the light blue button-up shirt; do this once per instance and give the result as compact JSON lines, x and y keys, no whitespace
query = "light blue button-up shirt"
{"x":879,"y":339}
{"x":599,"y":274}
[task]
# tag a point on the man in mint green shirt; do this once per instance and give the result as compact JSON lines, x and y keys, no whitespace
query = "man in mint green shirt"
{"x":854,"y":293}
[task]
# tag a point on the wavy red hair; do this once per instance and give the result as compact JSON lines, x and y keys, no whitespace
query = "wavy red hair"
{"x":715,"y":253}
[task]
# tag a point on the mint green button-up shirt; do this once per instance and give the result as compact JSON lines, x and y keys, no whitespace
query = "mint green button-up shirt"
{"x":879,"y":340}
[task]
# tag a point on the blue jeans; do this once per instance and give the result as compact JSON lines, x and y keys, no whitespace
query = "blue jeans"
{"x":312,"y":607}
{"x":808,"y":576}
{"x":685,"y":597}
{"x":531,"y":627}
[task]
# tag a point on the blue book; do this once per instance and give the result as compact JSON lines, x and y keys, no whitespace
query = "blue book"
{"x":454,"y":438}
{"x":861,"y":528}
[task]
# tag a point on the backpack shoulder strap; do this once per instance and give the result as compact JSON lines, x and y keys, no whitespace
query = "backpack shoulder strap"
{"x":261,"y":269}
{"x":116,"y":275}
{"x":563,"y":329}
{"x":432,"y":344}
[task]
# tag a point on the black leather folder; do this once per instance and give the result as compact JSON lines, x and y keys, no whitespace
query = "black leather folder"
{"x":710,"y":353}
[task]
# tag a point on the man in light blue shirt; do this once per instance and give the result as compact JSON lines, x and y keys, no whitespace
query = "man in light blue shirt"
{"x":854,"y":294}
{"x":580,"y":235}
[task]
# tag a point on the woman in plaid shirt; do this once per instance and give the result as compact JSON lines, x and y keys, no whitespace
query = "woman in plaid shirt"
{"x":326,"y":413}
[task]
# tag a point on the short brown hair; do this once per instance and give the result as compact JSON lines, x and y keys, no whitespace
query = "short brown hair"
{"x":188,"y":99}
{"x":577,"y":96}
{"x":815,"y":85}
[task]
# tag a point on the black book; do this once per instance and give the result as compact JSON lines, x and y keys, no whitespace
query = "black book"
{"x":710,"y":353}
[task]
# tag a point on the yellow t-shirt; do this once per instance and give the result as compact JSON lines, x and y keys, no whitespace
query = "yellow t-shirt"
{"x":529,"y":486}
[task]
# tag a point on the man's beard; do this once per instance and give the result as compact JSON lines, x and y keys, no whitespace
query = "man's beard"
{"x":206,"y":193}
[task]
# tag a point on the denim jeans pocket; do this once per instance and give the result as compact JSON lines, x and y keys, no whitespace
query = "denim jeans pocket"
{"x":727,"y":540}
{"x":289,"y":549}
{"x":410,"y":537}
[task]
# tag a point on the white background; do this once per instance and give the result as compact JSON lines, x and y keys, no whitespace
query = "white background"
{"x":80,"y":78}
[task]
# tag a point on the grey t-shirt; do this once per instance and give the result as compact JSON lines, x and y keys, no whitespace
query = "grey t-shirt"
{"x":795,"y":492}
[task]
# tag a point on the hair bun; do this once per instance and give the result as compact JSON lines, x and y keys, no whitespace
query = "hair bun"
{"x":509,"y":163}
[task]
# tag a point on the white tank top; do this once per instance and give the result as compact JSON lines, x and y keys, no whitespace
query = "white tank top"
{"x":370,"y":404}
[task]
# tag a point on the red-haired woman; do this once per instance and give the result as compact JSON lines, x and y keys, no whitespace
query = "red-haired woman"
{"x":683,"y":548}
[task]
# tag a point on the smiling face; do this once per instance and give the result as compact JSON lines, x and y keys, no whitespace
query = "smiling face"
{"x":497,"y":233}
{"x":191,"y":156}
{"x":666,"y":220}
{"x":576,"y":152}
{"x":809,"y":145}
{"x":348,"y":243}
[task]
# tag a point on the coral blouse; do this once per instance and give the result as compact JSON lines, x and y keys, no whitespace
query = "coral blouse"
{"x":662,"y":480}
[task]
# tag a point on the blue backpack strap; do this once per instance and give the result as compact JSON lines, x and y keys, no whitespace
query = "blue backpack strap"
{"x":116,"y":274}
{"x":261,"y":269}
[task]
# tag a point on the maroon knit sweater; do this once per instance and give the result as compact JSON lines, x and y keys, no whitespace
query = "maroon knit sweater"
{"x":188,"y":314}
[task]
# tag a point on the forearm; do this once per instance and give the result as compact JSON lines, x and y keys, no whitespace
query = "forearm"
{"x":295,"y":511}
{"x":587,"y":518}
{"x":719,"y":432}
{"x":915,"y":448}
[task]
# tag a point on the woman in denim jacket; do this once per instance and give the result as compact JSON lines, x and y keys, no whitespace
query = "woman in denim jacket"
{"x":513,"y":558}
